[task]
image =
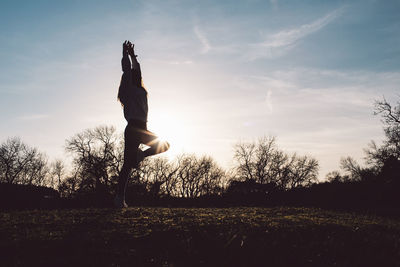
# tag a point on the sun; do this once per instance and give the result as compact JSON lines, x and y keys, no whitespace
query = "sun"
{"x":169,"y":128}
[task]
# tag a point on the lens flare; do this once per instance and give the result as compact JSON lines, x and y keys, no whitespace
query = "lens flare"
{"x":170,"y":132}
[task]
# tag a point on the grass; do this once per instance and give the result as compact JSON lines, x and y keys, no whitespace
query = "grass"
{"x":197,"y":237}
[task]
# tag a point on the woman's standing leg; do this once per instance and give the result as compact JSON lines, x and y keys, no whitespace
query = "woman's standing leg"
{"x":132,"y":142}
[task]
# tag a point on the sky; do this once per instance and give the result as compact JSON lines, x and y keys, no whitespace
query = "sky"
{"x":217,"y":72}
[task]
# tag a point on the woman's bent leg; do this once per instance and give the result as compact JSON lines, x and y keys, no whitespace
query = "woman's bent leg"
{"x":157,"y":146}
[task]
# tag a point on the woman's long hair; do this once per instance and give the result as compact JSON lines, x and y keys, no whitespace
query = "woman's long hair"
{"x":125,"y":86}
{"x":123,"y":90}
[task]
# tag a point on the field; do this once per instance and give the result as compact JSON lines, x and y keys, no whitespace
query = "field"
{"x":197,"y":237}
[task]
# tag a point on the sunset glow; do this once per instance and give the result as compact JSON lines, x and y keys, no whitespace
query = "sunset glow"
{"x":169,"y":129}
{"x":216,"y":72}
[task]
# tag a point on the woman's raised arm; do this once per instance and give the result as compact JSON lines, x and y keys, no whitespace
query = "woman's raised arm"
{"x":125,"y":62}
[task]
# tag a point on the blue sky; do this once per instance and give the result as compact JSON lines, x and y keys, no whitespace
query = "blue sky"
{"x":217,"y":72}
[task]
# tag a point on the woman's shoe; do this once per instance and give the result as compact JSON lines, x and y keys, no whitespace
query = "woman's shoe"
{"x":119,"y":202}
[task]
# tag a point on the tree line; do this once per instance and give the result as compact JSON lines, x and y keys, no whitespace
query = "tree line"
{"x":261,"y":167}
{"x":97,"y":157}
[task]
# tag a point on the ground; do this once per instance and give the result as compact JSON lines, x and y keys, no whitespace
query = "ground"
{"x":279,"y":236}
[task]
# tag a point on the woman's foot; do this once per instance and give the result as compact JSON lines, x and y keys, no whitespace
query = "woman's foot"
{"x":140,"y":156}
{"x":119,"y":202}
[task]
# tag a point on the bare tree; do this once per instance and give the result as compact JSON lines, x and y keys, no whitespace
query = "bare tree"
{"x":198,"y":176}
{"x":279,"y":169}
{"x":70,"y":185}
{"x":351,"y":167}
{"x":304,"y":171}
{"x":267,"y":159}
{"x":57,"y":171}
{"x":21,"y":164}
{"x":378,"y":155}
{"x":265,"y":163}
{"x":211,"y":176}
{"x":97,"y":157}
{"x":162,"y":176}
{"x":390,"y":114}
{"x":244,"y":155}
{"x":187,"y":183}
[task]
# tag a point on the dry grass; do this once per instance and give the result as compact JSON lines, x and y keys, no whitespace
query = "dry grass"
{"x":198,"y":237}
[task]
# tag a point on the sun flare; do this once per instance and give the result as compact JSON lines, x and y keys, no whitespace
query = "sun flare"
{"x":170,"y":129}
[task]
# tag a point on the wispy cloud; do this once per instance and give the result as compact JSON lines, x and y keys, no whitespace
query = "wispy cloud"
{"x":184,"y":62}
{"x":203,"y":39}
{"x":281,"y":42}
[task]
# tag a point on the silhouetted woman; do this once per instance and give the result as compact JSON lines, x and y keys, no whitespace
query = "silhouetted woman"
{"x":133,"y":98}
